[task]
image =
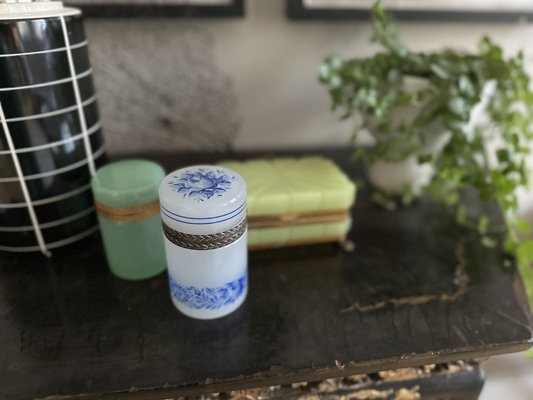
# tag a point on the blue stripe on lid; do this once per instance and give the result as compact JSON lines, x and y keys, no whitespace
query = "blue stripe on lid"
{"x":201,"y":218}
{"x":201,"y":223}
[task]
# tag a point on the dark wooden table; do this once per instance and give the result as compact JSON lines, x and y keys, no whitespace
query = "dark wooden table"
{"x":416,"y":290}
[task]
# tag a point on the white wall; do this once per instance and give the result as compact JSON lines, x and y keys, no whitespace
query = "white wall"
{"x":275,"y":62}
{"x":257,"y":86}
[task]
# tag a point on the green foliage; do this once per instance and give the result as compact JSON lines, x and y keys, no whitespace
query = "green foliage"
{"x":457,"y":82}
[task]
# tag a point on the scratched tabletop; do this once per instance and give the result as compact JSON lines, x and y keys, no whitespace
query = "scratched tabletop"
{"x":416,"y":289}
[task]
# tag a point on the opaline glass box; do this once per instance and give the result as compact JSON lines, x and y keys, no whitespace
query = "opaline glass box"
{"x":295,"y":201}
{"x":125,"y":194}
{"x":204,"y":220}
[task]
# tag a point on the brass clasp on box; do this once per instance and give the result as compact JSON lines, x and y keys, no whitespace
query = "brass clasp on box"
{"x":294,"y":219}
{"x":127,"y":214}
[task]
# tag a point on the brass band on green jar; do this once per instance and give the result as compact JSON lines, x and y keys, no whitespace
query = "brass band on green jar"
{"x":127,"y":214}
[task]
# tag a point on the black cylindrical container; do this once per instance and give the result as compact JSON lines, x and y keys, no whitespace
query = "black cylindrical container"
{"x":50,"y":133}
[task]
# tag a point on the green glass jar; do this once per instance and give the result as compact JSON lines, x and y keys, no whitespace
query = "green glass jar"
{"x":126,"y":200}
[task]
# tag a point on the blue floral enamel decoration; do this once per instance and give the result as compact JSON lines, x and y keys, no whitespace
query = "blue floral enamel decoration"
{"x":208,"y":298}
{"x":202,"y":183}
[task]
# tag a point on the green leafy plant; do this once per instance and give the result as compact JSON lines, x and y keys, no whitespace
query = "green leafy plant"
{"x":483,"y":100}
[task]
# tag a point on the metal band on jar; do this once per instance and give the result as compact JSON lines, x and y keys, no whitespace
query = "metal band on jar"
{"x":127,"y":214}
{"x":205,"y":242}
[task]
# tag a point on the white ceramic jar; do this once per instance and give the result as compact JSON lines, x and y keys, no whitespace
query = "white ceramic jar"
{"x":203,"y":209}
